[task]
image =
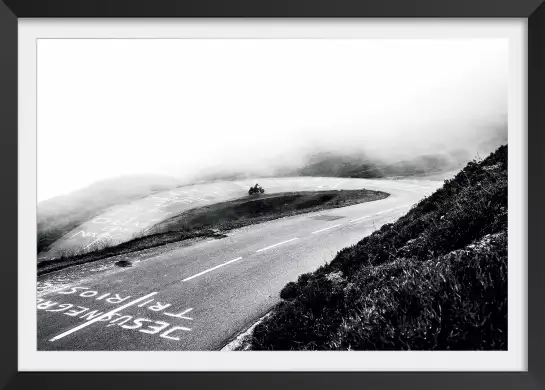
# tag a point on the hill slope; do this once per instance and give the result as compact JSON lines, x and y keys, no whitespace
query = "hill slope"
{"x":59,"y":215}
{"x":359,"y":166}
{"x":435,"y":279}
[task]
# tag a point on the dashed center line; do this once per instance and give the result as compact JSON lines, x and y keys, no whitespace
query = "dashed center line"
{"x":379,"y":213}
{"x":211,"y":269}
{"x":359,"y":219}
{"x":280,"y":243}
{"x":327,"y":228}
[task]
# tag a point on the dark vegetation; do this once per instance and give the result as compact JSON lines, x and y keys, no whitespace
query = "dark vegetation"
{"x":214,"y":220}
{"x":59,"y":215}
{"x":436,"y":279}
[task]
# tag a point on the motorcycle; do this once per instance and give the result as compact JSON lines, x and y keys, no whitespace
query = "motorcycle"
{"x":257,"y":189}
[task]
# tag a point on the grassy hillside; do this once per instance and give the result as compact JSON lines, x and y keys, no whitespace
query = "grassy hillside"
{"x":59,"y":215}
{"x":435,"y":279}
{"x":257,"y":209}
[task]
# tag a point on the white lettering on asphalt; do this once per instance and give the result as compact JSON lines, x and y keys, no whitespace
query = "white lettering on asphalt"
{"x":275,"y":245}
{"x":117,"y":299}
{"x":158,"y":306}
{"x":72,"y":290}
{"x":166,"y":334}
{"x":85,"y":234}
{"x":75,"y":312}
{"x":137,"y":323}
{"x":211,"y":269}
{"x":156,"y":329}
{"x":45,"y":305}
{"x":62,"y":307}
{"x":181,"y":315}
{"x":91,"y":315}
{"x":122,"y":321}
{"x":85,"y":324}
{"x":89,"y":293}
{"x":145,"y":303}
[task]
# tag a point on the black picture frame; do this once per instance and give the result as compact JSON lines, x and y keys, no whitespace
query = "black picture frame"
{"x":532,"y":10}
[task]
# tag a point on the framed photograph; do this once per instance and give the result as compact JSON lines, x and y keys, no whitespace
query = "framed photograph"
{"x":303,"y":194}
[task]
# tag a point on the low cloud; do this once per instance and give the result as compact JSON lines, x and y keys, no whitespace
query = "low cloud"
{"x":194,"y":109}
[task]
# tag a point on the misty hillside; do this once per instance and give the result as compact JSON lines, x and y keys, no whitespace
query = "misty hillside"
{"x":328,"y":164}
{"x":59,"y":215}
{"x":402,"y":158}
{"x":354,"y":165}
{"x":435,"y":279}
{"x":360,"y":166}
{"x":354,"y":159}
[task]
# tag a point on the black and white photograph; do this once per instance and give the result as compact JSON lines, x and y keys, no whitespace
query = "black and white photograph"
{"x":272,"y":194}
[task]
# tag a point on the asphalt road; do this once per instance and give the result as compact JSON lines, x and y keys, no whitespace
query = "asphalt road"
{"x":125,"y":221}
{"x":200,"y":296}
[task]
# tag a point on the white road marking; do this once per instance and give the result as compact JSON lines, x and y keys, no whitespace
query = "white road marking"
{"x":211,"y":269}
{"x":280,"y":243}
{"x":327,"y":228}
{"x":102,"y":316}
{"x":382,"y":212}
{"x":358,"y":219}
{"x":386,"y":211}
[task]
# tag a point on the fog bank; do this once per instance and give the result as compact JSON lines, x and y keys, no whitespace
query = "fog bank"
{"x":193,"y":109}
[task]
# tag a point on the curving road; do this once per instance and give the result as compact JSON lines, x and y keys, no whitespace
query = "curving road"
{"x":200,"y":296}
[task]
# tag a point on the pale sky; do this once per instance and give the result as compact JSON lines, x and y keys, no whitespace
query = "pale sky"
{"x":180,"y":107}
